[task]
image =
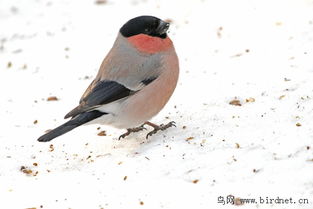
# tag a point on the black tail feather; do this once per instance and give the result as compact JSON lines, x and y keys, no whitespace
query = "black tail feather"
{"x":70,"y":125}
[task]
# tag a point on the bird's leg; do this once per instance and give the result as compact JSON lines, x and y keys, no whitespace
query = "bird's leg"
{"x":132,"y":130}
{"x":157,"y":128}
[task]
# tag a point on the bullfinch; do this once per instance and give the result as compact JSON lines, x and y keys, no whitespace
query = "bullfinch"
{"x":135,"y":81}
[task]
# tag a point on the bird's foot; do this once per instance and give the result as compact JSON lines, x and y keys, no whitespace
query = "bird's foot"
{"x":157,"y":128}
{"x":132,"y":130}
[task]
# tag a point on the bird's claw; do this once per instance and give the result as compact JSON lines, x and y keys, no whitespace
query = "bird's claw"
{"x":132,"y":130}
{"x":161,"y":127}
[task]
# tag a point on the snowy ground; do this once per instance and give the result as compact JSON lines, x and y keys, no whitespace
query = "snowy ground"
{"x":258,"y":52}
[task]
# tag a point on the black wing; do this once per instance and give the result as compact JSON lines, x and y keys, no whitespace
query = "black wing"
{"x":103,"y":93}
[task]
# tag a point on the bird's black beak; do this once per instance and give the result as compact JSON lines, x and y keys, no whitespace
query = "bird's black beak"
{"x":163,"y":27}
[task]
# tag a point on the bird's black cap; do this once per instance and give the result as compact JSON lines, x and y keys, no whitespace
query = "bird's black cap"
{"x":148,"y":25}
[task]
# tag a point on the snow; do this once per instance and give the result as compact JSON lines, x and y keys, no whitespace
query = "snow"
{"x":262,"y":50}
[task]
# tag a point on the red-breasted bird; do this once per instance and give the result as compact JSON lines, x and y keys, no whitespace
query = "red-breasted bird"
{"x":135,"y":81}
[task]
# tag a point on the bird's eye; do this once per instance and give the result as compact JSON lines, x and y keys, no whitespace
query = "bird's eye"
{"x":148,"y":30}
